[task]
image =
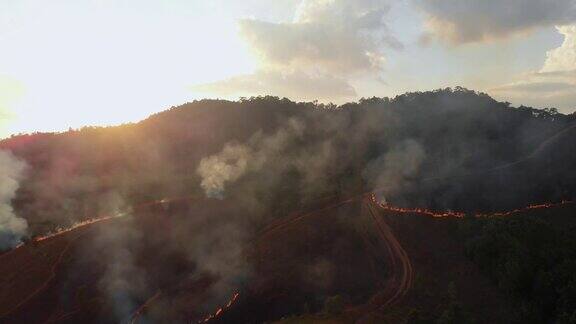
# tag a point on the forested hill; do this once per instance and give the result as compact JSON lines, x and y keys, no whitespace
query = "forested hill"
{"x":446,"y":149}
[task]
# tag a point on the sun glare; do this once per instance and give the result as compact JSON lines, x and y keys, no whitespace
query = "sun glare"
{"x":104,"y":67}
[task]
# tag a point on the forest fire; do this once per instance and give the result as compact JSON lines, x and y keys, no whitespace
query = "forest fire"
{"x":385,"y":206}
{"x":94,"y":220}
{"x":428,"y":212}
{"x":423,"y":211}
{"x":221,"y":310}
{"x":87,"y":222}
{"x":525,"y":209}
{"x":458,"y":214}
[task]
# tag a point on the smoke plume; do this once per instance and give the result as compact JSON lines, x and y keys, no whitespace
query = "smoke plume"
{"x":215,"y":245}
{"x":12,"y":227}
{"x":228,"y":166}
{"x":392,"y":172}
{"x":123,"y":280}
{"x":235,"y":159}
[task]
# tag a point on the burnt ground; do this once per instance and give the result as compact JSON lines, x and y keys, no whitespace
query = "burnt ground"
{"x":296,"y":263}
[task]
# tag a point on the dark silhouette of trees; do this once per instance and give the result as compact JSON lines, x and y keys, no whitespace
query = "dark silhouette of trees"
{"x":467,"y":138}
{"x":530,"y":258}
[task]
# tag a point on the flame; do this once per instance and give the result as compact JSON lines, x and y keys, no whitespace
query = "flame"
{"x":385,"y":206}
{"x":525,"y":209}
{"x":221,"y":310}
{"x":94,"y":220}
{"x":87,"y":222}
{"x":423,"y":211}
{"x":459,"y":214}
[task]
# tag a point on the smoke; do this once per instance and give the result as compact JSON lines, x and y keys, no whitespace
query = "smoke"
{"x":262,"y":166}
{"x":123,"y":280}
{"x":12,"y":227}
{"x":216,"y":244}
{"x":110,"y":250}
{"x":235,"y":160}
{"x":270,"y":157}
{"x":393,"y":171}
{"x":227,"y":166}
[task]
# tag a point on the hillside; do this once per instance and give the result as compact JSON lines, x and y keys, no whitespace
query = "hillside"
{"x":269,"y":210}
{"x":462,"y":142}
{"x":293,"y":267}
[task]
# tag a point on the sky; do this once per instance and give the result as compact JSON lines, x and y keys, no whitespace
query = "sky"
{"x":72,"y":63}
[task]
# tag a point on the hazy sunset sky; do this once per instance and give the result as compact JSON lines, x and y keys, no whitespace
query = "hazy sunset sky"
{"x":69,"y":63}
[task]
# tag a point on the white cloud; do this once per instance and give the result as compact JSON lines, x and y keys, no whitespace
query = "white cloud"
{"x":554,"y":84}
{"x":341,"y":37}
{"x":563,"y":58}
{"x":465,"y":21}
{"x":313,"y":56}
{"x":291,"y":84}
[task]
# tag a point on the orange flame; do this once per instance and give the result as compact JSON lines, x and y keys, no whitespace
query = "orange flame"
{"x":221,"y":310}
{"x":94,"y":220}
{"x":458,"y":214}
{"x":525,"y":209}
{"x":87,"y":222}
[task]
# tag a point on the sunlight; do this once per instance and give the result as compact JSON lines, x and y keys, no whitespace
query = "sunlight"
{"x":95,"y":73}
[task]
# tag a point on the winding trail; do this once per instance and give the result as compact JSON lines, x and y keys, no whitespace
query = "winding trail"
{"x":403,"y":272}
{"x":284,"y":222}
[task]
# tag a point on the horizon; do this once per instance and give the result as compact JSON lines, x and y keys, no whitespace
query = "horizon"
{"x":240,"y":99}
{"x":62,"y":68}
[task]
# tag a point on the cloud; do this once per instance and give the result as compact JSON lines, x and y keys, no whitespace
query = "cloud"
{"x":313,"y":56}
{"x":561,"y":95}
{"x":466,"y":21}
{"x":554,"y":84}
{"x":12,"y":227}
{"x":563,"y":58}
{"x":291,"y":84}
{"x":339,"y":37}
{"x":539,"y":87}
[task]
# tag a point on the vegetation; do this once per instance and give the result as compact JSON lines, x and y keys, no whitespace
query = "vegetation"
{"x":465,"y":138}
{"x":454,"y":312}
{"x":450,"y":149}
{"x":532,"y":259}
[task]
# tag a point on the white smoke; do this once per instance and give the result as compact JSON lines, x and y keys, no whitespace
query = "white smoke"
{"x":235,"y":160}
{"x":12,"y":227}
{"x":228,"y":166}
{"x":393,"y":171}
{"x":123,"y":279}
{"x":217,"y":247}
